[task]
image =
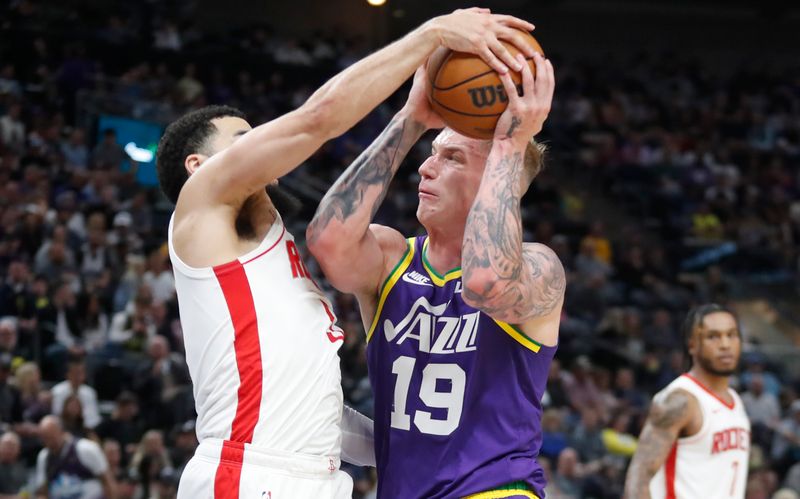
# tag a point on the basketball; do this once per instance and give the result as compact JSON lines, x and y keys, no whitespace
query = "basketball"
{"x":467,"y":93}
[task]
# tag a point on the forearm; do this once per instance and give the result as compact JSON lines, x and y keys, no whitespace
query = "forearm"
{"x":637,"y":483}
{"x":350,"y":204}
{"x":491,"y":258}
{"x":351,"y":94}
{"x":358,"y":442}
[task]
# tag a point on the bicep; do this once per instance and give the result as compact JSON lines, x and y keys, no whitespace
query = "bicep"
{"x":358,"y":268}
{"x":532,"y":298}
{"x":668,"y":416}
{"x":260,"y":156}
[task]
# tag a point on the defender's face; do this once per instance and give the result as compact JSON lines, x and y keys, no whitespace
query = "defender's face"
{"x":229,"y":129}
{"x":450,"y":177}
{"x":716,"y":344}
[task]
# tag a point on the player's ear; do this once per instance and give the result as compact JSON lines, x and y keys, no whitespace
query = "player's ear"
{"x":691,"y":344}
{"x":193,"y":162}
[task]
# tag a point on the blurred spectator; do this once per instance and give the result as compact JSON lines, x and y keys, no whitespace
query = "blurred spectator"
{"x":10,"y":398}
{"x":627,"y":392}
{"x":149,"y":460}
{"x":786,"y":443}
{"x":762,"y":409}
{"x":70,"y":467}
{"x":587,"y":438}
{"x":162,"y":383}
{"x":581,"y":389}
{"x":8,"y":336}
{"x":184,"y":445}
{"x":113,"y":453}
{"x":123,"y":427}
{"x":159,"y":276}
{"x":567,"y":478}
{"x":12,"y":130}
{"x":554,"y":439}
{"x":12,"y":471}
{"x":108,"y":154}
{"x":75,"y":151}
{"x":616,"y":436}
{"x":188,"y":86}
{"x":36,"y":402}
{"x":72,"y":419}
{"x":166,"y":484}
{"x":134,"y":326}
{"x":75,"y":385}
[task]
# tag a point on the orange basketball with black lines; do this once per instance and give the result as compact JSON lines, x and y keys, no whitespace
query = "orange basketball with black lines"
{"x":467,"y":93}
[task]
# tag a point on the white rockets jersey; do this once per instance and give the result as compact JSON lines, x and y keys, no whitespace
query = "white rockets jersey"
{"x":712,"y":463}
{"x":261,"y":344}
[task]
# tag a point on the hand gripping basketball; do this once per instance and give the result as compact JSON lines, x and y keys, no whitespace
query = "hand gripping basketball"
{"x":527,"y":110}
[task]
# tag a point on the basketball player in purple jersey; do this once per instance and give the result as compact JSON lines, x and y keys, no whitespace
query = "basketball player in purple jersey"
{"x":462,"y":323}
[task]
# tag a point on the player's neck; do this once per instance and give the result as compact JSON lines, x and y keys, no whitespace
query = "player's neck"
{"x":443,"y":251}
{"x":715,"y":383}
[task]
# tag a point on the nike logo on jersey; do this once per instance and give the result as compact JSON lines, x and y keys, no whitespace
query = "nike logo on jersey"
{"x":415,"y":277}
{"x":434,"y":332}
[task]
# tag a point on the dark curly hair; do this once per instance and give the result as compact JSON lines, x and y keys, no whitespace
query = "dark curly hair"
{"x":187,"y":135}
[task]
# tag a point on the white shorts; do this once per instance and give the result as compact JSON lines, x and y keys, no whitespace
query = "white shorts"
{"x":227,"y":470}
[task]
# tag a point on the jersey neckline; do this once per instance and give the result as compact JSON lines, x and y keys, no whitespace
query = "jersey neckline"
{"x":271,"y":239}
{"x":730,"y":405}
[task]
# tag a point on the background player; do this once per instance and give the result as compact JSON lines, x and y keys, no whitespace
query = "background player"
{"x":696,"y":441}
{"x":261,"y":339}
{"x":458,"y":364}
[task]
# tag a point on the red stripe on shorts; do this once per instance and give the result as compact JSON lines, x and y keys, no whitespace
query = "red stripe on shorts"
{"x":239,"y":298}
{"x":670,"y":471}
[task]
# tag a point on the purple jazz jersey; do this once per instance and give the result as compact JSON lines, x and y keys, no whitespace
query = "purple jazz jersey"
{"x":457,"y":394}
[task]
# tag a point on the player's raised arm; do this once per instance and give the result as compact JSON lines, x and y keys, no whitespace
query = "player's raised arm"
{"x":340,"y":235}
{"x":667,"y":418}
{"x":275,"y":148}
{"x":505,"y":280}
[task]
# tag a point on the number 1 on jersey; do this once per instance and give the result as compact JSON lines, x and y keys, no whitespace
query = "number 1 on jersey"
{"x":452,"y":400}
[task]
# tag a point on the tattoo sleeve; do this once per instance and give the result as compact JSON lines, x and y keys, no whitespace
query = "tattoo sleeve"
{"x":501,"y":278}
{"x":351,"y":203}
{"x":660,"y":432}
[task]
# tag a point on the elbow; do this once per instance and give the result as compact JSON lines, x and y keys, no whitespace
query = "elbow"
{"x":478,"y":287}
{"x":325,"y":244}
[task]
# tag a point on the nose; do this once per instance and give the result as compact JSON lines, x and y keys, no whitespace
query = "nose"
{"x":427,"y":170}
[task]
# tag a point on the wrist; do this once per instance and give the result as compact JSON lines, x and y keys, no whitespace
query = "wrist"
{"x":431,"y":32}
{"x":416,"y":125}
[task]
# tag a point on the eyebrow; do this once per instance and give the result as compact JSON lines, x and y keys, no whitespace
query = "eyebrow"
{"x":450,"y":148}
{"x":240,"y":133}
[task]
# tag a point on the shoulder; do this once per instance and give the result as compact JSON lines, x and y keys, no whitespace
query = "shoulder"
{"x":60,"y":388}
{"x":91,"y":455}
{"x":391,"y":241}
{"x":673,"y":408}
{"x":84,"y":445}
{"x":88,"y":390}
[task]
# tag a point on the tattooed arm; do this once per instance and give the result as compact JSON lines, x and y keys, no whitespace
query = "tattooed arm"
{"x":667,"y":419}
{"x":507,"y":280}
{"x":351,"y":252}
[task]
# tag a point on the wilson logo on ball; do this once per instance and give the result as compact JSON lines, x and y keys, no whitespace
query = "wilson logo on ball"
{"x":488,"y":95}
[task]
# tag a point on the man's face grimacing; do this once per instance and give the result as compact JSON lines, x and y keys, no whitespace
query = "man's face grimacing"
{"x":450,"y":178}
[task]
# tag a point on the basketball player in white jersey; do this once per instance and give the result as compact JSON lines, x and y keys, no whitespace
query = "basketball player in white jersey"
{"x":696,"y":442}
{"x":261,"y":339}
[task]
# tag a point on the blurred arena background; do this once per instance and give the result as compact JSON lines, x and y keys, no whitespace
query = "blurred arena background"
{"x":673,"y":179}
